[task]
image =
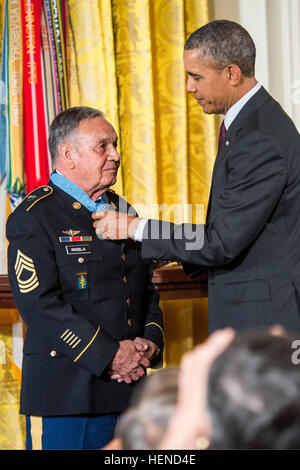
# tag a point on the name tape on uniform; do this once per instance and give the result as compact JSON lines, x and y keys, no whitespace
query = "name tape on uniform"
{"x":78,"y":249}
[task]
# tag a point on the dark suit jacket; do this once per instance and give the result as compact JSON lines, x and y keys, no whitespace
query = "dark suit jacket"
{"x":78,"y":299}
{"x":251,"y":245}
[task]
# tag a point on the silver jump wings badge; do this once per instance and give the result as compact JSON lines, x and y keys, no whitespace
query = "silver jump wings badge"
{"x":71,"y":232}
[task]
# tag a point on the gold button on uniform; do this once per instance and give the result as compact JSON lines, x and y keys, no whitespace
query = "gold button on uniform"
{"x":53,"y":353}
{"x":46,"y":189}
{"x":80,"y":259}
{"x":124,"y":257}
{"x":129,"y":322}
{"x":125,"y":279}
{"x":128,"y":301}
{"x":76,"y":205}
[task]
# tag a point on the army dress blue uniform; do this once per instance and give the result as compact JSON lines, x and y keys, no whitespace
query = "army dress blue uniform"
{"x":78,"y":296}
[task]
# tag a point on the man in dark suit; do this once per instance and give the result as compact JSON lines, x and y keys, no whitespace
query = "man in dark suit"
{"x":251,"y":240}
{"x":93,"y":324}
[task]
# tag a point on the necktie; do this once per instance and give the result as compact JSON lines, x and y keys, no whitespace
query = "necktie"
{"x":221,"y":135}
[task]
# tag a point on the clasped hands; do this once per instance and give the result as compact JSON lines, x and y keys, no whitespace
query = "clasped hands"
{"x":131,"y":359}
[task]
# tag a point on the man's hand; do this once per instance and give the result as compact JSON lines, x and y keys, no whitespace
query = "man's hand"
{"x":147,"y":347}
{"x":128,"y":363}
{"x":111,"y":225}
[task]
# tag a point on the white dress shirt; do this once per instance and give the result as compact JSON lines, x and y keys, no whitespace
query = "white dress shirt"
{"x":236,"y":107}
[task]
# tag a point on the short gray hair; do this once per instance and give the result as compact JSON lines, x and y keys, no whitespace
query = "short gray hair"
{"x":67,"y":122}
{"x":253,"y":393}
{"x":153,"y":404}
{"x":221,"y":43}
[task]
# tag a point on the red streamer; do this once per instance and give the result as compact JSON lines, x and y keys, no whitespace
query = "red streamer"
{"x":36,"y":164}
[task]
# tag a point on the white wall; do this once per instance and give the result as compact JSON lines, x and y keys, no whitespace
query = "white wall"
{"x":275,"y":28}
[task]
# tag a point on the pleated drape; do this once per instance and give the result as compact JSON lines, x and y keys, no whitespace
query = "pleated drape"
{"x":167,"y":143}
{"x":94,"y":53}
{"x":202,"y":128}
{"x":128,"y":57}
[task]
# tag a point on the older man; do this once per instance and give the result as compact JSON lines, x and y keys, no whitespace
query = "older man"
{"x":91,"y":311}
{"x":251,"y":239}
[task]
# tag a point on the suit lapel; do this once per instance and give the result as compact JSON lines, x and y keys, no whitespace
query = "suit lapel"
{"x":224,"y":149}
{"x":257,"y":100}
{"x":226,"y":144}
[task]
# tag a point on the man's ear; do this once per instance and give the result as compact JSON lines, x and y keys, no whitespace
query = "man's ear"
{"x":66,"y":155}
{"x":234,"y":74}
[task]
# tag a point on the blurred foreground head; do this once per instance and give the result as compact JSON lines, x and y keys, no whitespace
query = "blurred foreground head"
{"x":253,"y":394}
{"x":153,"y":403}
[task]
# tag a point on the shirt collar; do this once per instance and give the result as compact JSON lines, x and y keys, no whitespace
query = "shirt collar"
{"x":77,"y":193}
{"x":236,"y":108}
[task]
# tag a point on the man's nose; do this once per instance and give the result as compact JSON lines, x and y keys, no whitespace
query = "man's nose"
{"x":114,"y":154}
{"x":190,"y":85}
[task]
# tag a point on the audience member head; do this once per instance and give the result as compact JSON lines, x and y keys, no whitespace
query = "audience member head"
{"x":253,"y":394}
{"x":153,"y":403}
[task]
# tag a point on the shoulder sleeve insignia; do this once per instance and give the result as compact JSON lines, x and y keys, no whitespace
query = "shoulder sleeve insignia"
{"x":26,"y":273}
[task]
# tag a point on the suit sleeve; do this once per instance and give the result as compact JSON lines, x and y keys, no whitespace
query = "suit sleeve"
{"x":154,"y":326}
{"x":34,"y":280}
{"x":257,"y":176}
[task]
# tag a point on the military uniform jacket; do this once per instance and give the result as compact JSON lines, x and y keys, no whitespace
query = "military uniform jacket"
{"x":78,"y":297}
{"x":251,"y":238}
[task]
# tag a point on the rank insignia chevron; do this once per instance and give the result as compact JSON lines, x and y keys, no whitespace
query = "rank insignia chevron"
{"x":25,"y":266}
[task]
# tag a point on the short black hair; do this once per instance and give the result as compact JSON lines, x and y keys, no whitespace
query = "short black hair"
{"x":65,"y":123}
{"x":221,"y":43}
{"x":253,"y":394}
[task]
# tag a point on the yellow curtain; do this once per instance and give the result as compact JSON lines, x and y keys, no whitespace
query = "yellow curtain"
{"x":12,"y":425}
{"x":128,"y":58}
{"x":167,"y":143}
{"x":92,"y":27}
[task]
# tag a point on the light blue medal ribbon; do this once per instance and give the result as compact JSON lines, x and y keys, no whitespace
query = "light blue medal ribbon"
{"x":81,"y":196}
